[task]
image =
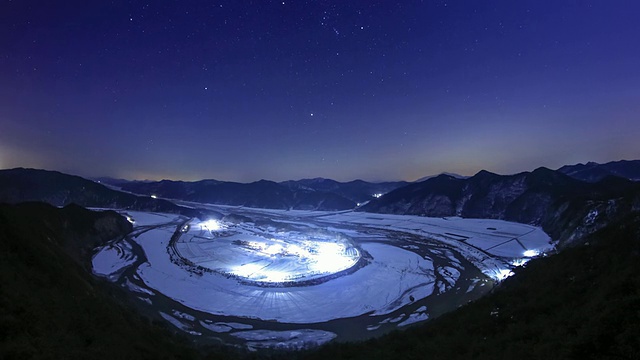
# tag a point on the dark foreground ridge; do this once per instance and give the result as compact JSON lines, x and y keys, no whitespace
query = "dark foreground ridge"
{"x":51,"y":307}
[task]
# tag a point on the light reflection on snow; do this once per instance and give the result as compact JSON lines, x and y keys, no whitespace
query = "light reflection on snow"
{"x":501,"y":274}
{"x":212,"y":225}
{"x":277,"y":261}
{"x":390,"y":278}
{"x":520,"y":262}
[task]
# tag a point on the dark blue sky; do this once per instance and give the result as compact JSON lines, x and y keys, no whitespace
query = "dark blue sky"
{"x":379,"y":90}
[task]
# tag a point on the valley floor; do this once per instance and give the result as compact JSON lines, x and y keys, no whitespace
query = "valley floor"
{"x":416,"y":268}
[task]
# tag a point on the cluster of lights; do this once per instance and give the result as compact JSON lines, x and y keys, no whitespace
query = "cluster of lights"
{"x":294,"y":257}
{"x":501,"y":274}
{"x":311,"y":258}
{"x":520,"y":262}
{"x":376,"y":195}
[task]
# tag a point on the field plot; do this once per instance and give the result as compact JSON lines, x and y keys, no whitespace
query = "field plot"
{"x":282,"y":259}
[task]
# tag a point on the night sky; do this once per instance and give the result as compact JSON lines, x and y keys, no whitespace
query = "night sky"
{"x":378,"y":90}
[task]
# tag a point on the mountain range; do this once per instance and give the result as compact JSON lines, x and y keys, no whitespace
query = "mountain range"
{"x":306,"y":194}
{"x":566,"y":208}
{"x":593,"y":172}
{"x":561,"y":201}
{"x":580,"y":303}
{"x":58,"y":189}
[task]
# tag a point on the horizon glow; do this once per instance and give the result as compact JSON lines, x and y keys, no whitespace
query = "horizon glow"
{"x":342,"y":90}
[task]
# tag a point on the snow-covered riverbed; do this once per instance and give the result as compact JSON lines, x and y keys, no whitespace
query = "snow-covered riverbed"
{"x":410,"y":262}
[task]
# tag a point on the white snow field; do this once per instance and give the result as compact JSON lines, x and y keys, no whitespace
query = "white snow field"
{"x":112,"y":259}
{"x":309,"y":267}
{"x":382,"y":286}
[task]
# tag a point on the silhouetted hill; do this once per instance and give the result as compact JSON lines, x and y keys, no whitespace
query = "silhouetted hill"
{"x":594,"y":172}
{"x":458,"y":176}
{"x":566,"y":208}
{"x":357,"y":191}
{"x":51,"y":307}
{"x":58,"y":189}
{"x":259,"y":194}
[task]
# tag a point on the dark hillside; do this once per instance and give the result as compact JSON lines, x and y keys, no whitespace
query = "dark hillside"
{"x":51,"y":307}
{"x":258,"y":194}
{"x":58,"y":189}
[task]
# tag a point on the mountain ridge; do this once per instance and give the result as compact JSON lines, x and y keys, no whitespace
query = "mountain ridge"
{"x":542,"y":197}
{"x":594,"y":172}
{"x":59,"y":189}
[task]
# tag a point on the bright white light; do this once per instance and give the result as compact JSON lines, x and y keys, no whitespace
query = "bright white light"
{"x":501,"y":274}
{"x":520,"y":262}
{"x":260,"y":272}
{"x":212,"y":225}
{"x":275,"y":276}
{"x":154,"y":196}
{"x":130,"y":219}
{"x":377,"y":195}
{"x":531,"y":253}
{"x":247,"y":270}
{"x":279,"y":261}
{"x":273,"y":249}
{"x":331,"y":258}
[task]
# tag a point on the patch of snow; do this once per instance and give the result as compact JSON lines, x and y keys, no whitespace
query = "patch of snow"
{"x":111,"y":260}
{"x":183,"y":315}
{"x":145,"y":299}
{"x":135,"y":288}
{"x":179,"y":324}
{"x":216,"y":327}
{"x":414,"y":318}
{"x":288,"y":339}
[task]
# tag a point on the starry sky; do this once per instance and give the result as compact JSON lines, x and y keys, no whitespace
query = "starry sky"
{"x":378,"y":90}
